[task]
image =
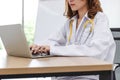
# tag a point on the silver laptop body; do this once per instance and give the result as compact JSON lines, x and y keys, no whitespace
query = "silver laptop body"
{"x":15,"y":42}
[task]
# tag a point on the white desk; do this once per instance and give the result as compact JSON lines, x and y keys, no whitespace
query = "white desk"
{"x":16,"y":67}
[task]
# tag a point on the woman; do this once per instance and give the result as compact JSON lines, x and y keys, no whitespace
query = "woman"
{"x":85,"y":33}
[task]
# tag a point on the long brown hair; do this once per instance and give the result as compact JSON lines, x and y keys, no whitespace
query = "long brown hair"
{"x":93,"y":7}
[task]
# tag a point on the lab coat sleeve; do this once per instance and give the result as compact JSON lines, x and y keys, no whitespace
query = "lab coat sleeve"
{"x":97,"y":46}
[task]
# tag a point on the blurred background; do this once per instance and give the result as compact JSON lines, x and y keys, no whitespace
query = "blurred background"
{"x":39,"y":12}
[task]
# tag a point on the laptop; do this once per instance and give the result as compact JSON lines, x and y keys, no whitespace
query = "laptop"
{"x":15,"y":42}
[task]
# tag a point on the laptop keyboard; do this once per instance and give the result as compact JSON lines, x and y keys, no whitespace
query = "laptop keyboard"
{"x":40,"y":55}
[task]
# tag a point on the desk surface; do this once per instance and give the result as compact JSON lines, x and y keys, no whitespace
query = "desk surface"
{"x":17,"y":65}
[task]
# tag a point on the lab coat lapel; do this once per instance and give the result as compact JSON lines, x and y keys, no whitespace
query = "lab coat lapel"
{"x":80,"y":31}
{"x":72,"y":40}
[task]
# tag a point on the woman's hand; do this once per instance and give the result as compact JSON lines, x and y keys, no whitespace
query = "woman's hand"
{"x":40,"y":49}
{"x":34,"y":48}
{"x":45,"y":49}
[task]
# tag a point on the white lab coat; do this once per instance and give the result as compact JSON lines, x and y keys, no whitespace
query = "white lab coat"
{"x":100,"y":44}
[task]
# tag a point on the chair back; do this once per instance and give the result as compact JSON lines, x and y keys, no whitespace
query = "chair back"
{"x":116,"y":35}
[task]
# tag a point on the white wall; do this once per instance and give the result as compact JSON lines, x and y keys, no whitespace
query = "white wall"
{"x":112,"y":10}
{"x":49,"y":19}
